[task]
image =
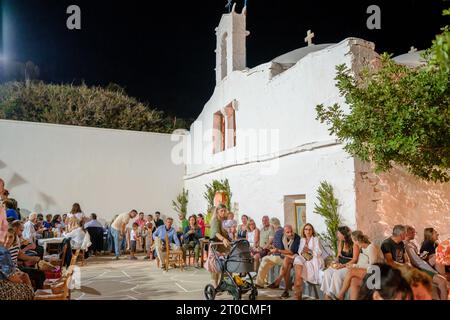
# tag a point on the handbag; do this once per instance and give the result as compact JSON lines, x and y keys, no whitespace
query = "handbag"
{"x":211,"y":263}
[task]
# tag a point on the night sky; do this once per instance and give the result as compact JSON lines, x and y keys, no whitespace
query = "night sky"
{"x":162,"y":52}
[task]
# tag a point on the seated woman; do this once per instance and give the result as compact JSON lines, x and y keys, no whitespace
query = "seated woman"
{"x":392,"y":286}
{"x":56,"y":223}
{"x":253,"y":239}
{"x":348,"y":253}
{"x":243,"y":228}
{"x":309,"y":260}
{"x":191,"y":237}
{"x":11,"y":243}
{"x":14,"y":284}
{"x":370,"y":255}
{"x":77,"y":236}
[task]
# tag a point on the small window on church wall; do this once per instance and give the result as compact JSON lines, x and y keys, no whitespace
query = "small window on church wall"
{"x":230,"y":114}
{"x":223,"y":55}
{"x":218,"y":132}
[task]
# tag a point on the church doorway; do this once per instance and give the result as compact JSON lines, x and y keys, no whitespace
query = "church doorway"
{"x":295,"y":211}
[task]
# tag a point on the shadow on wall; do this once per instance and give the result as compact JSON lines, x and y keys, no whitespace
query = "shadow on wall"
{"x":17,"y":181}
{"x":386,"y":199}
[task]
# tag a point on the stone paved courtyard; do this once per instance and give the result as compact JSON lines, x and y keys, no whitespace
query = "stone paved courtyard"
{"x":105,"y":279}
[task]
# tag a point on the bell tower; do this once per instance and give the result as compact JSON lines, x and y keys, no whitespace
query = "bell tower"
{"x":231,"y":43}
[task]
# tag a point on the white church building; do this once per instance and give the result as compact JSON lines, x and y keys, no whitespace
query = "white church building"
{"x":263,"y":133}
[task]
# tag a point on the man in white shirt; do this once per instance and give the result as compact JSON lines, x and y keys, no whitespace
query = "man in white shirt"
{"x":118,"y":229}
{"x":29,"y":235}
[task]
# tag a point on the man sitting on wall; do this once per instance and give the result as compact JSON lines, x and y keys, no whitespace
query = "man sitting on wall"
{"x":285,"y":242}
{"x":160,"y":234}
{"x":393,"y":248}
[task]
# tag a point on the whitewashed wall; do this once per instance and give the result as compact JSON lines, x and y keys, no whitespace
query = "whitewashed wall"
{"x":48,"y":167}
{"x":299,"y":174}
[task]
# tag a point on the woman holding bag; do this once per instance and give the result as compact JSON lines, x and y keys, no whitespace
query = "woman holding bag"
{"x":309,"y":260}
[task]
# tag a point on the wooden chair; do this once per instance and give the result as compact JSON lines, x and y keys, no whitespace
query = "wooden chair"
{"x":203,"y":244}
{"x":190,"y":255}
{"x":49,"y":284}
{"x":59,"y":291}
{"x":173,"y":257}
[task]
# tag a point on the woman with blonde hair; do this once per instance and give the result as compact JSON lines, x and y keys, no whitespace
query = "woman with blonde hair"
{"x":253,"y":239}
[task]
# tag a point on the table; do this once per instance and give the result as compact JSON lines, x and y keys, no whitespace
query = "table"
{"x":44,"y":242}
{"x":203,"y":244}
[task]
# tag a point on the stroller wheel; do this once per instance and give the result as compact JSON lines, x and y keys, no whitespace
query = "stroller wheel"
{"x":237,"y":295}
{"x":210,"y":292}
{"x":253,"y":294}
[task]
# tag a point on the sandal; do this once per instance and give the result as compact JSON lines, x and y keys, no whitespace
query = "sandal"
{"x":273,"y":286}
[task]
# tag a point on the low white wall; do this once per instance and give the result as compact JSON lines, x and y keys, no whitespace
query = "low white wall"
{"x":48,"y":167}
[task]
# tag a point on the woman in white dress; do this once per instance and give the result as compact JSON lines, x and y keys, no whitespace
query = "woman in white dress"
{"x":370,"y":254}
{"x":76,"y":236}
{"x":348,"y":253}
{"x":309,"y":261}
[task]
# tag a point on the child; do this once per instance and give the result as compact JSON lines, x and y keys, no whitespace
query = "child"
{"x":134,"y":238}
{"x":201,"y":224}
{"x":149,"y":228}
{"x":230,"y":226}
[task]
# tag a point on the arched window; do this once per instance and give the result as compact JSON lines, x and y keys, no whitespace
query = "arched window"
{"x":224,"y":62}
{"x":218,"y":132}
{"x":230,"y":115}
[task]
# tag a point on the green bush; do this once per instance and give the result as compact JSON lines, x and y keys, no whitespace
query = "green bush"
{"x":328,"y":208}
{"x":80,"y":106}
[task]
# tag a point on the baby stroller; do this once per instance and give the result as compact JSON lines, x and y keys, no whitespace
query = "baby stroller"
{"x":238,"y":262}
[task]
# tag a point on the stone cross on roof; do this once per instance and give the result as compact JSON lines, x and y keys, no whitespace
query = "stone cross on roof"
{"x":229,"y":5}
{"x":309,"y":36}
{"x":412,"y":50}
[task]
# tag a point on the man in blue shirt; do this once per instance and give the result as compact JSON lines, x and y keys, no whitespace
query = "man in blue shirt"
{"x":173,"y":240}
{"x":285,"y":243}
{"x":11,"y":213}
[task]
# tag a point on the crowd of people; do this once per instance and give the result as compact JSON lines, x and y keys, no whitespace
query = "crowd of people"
{"x":281,"y":257}
{"x":406,"y":270}
{"x":21,"y":256}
